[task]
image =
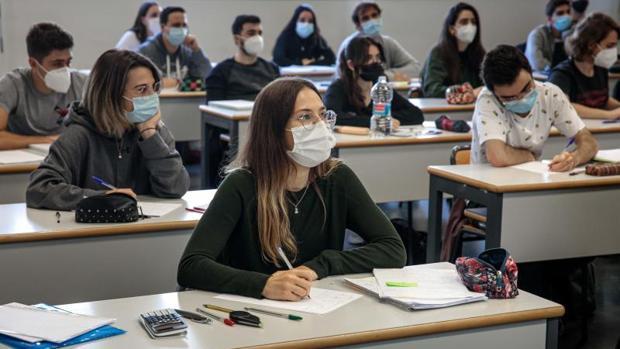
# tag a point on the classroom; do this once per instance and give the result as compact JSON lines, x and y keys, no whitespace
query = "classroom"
{"x":309,"y":174}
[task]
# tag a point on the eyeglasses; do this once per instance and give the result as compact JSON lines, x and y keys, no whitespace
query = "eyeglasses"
{"x":146,"y":90}
{"x":309,"y":120}
{"x":530,"y":87}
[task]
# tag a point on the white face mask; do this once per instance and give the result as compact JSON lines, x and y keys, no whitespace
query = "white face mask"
{"x":58,"y":80}
{"x":467,"y":33}
{"x":312,"y":146}
{"x":153,"y":25}
{"x":253,"y":45}
{"x":606,"y":58}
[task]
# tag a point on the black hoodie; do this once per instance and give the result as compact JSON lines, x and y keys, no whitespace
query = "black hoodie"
{"x":149,"y":167}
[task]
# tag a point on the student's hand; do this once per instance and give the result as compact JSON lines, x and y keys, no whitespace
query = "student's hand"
{"x":149,"y":127}
{"x":307,"y":61}
{"x":313,"y":275}
{"x":126,"y":191}
{"x":168,"y":82}
{"x":395,"y":124}
{"x":563,"y":162}
{"x":398,"y":76}
{"x":615,"y":114}
{"x":288,"y":285}
{"x":191,"y":42}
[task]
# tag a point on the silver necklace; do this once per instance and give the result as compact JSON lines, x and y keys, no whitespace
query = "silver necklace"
{"x":119,"y":147}
{"x":295,"y":205}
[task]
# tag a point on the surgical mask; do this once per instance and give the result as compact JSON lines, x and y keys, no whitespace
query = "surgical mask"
{"x":371,"y":72}
{"x":58,"y":80}
{"x":144,"y":108}
{"x":176,"y":36}
{"x":304,"y":29}
{"x":466,"y":33}
{"x":153,"y":25}
{"x":313,"y":145}
{"x":372,"y":26}
{"x":563,"y":22}
{"x":606,"y":58}
{"x":524,"y":105}
{"x":253,"y":45}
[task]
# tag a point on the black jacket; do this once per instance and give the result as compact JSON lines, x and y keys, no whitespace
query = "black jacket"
{"x":290,"y":49}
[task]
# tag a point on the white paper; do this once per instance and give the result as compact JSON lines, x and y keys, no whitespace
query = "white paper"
{"x":432,"y":283}
{"x":307,"y":69}
{"x":158,"y":208}
{"x":19,"y":157}
{"x":609,"y":155}
{"x":41,"y":148}
{"x":321,"y":301}
{"x":36,"y":324}
{"x":234,"y":104}
{"x":540,"y":167}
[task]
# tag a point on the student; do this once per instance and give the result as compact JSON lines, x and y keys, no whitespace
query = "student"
{"x":114,"y":133}
{"x":349,"y":95}
{"x":399,"y":64}
{"x":545,"y":49}
{"x":34,"y":100}
{"x":514,"y":115}
{"x":286,"y":191}
{"x":145,"y":25}
{"x":456,"y":59}
{"x":584,"y":77}
{"x":301,"y":43}
{"x":579,"y":9}
{"x":245,"y":74}
{"x":174,"y":51}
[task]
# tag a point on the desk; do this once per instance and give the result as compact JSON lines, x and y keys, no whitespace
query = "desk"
{"x":526,"y":321}
{"x":536,"y":217}
{"x":178,"y":112}
{"x":64,"y":262}
{"x":310,"y":72}
{"x":435,"y":107}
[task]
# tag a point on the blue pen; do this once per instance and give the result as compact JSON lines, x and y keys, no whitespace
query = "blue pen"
{"x":103,"y":183}
{"x":571,"y":141}
{"x":612,"y":121}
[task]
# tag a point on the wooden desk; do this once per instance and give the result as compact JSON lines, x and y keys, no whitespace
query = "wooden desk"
{"x":435,"y":107}
{"x":52,"y":262}
{"x":536,"y":217}
{"x":178,"y":112}
{"x":526,"y":321}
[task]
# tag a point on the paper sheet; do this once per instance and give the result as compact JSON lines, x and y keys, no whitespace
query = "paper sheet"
{"x":321,"y":301}
{"x":19,"y":157}
{"x":431,"y":283}
{"x":542,"y":167}
{"x":609,"y":155}
{"x":158,"y":208}
{"x":36,"y":324}
{"x":42,"y":148}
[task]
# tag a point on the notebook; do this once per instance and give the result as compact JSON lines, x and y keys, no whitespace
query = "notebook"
{"x":610,"y":155}
{"x":234,"y":104}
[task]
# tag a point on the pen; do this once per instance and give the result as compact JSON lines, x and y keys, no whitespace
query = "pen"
{"x":193,"y":210}
{"x":239,"y":317}
{"x":612,"y":121}
{"x":218,"y":308}
{"x":228,"y":322}
{"x":285,"y":259}
{"x":571,"y":141}
{"x":273,"y":313}
{"x":103,"y":183}
{"x":576,"y":172}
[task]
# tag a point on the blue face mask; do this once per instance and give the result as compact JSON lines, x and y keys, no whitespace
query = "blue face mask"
{"x":304,"y":29}
{"x":176,"y":36}
{"x":372,"y":26}
{"x":563,"y":22}
{"x":524,"y":105}
{"x":144,"y":108}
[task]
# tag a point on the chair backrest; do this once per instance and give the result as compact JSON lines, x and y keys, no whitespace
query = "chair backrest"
{"x":459,"y":155}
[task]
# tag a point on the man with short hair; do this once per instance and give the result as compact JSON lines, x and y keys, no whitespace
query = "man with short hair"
{"x":34,"y":101}
{"x":174,"y":51}
{"x":398,"y":63}
{"x":545,"y":47}
{"x":245,"y":74}
{"x":514,"y":115}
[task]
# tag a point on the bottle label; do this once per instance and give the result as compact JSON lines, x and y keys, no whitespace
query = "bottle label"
{"x":382,"y":109}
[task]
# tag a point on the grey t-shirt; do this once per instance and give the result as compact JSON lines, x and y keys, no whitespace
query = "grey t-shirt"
{"x":32,"y":112}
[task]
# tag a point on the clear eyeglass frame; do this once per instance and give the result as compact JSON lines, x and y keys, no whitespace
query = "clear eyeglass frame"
{"x":310,"y":120}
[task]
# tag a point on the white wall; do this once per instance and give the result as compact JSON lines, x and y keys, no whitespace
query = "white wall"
{"x":96,"y":25}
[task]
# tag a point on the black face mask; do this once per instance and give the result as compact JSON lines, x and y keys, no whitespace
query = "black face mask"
{"x":371,"y":72}
{"x":580,"y":6}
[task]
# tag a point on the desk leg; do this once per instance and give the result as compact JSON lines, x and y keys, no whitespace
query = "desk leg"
{"x":494,"y":219}
{"x":552,"y":333}
{"x":204,"y":153}
{"x":209,"y":158}
{"x":435,"y":207}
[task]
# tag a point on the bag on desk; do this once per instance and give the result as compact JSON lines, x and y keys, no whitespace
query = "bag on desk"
{"x":493,"y":272}
{"x":112,"y":208}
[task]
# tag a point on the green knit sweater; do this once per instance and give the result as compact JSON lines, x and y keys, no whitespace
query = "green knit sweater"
{"x":224,"y":255}
{"x":435,"y":79}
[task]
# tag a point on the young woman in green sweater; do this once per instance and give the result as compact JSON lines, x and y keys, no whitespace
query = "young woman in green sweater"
{"x":456,"y":58}
{"x":285,"y":191}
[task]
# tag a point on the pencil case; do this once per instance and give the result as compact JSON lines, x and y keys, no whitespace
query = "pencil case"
{"x":493,"y":272}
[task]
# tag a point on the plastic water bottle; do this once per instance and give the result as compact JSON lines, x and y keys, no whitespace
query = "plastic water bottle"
{"x":381,"y":120}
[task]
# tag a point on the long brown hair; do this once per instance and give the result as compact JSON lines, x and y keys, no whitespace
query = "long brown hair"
{"x":357,"y":52}
{"x":103,"y":96}
{"x":590,"y":30}
{"x":264,"y":155}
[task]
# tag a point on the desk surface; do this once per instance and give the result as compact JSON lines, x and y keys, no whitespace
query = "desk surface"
{"x":439,"y":105}
{"x":18,"y":168}
{"x":507,"y":179}
{"x":362,"y":321}
{"x":308,"y":70}
{"x":182,"y":94}
{"x":22,"y":224}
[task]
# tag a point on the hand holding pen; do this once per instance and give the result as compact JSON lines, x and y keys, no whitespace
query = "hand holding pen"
{"x":113,"y":189}
{"x":291,"y":285}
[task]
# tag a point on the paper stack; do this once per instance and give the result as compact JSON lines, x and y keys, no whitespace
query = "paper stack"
{"x":417,"y":287}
